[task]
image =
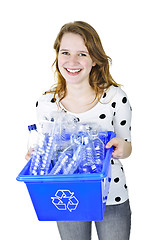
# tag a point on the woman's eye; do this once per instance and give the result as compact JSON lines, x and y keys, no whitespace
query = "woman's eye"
{"x":65,"y":53}
{"x":82,"y":55}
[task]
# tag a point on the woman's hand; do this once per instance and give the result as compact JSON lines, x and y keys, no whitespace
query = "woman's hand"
{"x":27,"y":157}
{"x":121,"y":148}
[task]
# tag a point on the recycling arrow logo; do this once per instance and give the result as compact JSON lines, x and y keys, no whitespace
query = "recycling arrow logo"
{"x":64,"y":199}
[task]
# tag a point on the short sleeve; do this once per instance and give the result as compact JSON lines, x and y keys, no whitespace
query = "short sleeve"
{"x":46,"y":107}
{"x":122,"y":113}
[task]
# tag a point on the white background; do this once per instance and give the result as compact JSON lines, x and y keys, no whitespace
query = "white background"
{"x":129,"y":31}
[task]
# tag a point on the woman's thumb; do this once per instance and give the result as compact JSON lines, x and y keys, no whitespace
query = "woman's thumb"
{"x":111,"y":143}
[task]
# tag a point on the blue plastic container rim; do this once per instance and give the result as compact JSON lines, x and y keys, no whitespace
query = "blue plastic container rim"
{"x":24,"y":177}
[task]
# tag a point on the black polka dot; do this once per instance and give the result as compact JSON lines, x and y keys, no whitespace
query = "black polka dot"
{"x":78,"y":119}
{"x":116,"y":180}
{"x":114,"y":104}
{"x":122,"y":169}
{"x":131,"y":108}
{"x":123,"y":122}
{"x":102,"y":116}
{"x":53,"y":100}
{"x":52,"y":119}
{"x":112,"y":123}
{"x":117,"y":199}
{"x":126,"y":140}
{"x":124,"y":100}
{"x":112,"y":162}
{"x":37,"y":104}
{"x":104,"y":95}
{"x":114,"y":113}
{"x":130,"y":128}
{"x":125,"y":186}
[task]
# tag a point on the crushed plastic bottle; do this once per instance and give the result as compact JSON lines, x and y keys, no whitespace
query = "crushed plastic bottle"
{"x":103,"y":135}
{"x":60,"y":145}
{"x":68,"y":160}
{"x":65,"y":126}
{"x":99,"y":150}
{"x":64,"y":159}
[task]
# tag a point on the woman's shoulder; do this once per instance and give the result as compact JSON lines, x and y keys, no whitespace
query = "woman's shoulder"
{"x":114,"y":93}
{"x":46,"y":107}
{"x":47,"y":96}
{"x":47,"y":101}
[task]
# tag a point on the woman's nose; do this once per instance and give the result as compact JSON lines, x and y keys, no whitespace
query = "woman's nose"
{"x":73,"y":59}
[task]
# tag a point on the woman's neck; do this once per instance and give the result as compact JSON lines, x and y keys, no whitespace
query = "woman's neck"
{"x":80,"y":91}
{"x":79,"y":98}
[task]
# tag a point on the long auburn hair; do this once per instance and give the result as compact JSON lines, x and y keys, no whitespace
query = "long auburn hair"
{"x":100,"y":77}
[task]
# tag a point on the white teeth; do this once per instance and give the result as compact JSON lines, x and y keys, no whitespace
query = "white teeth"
{"x":73,"y":71}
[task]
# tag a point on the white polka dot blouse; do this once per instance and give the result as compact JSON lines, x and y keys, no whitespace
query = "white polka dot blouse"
{"x":112,"y":113}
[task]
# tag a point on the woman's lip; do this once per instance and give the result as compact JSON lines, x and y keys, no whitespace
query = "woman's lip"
{"x":75,"y":72}
{"x":73,"y":69}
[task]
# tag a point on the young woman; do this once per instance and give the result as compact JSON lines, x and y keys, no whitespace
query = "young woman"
{"x":86,"y":89}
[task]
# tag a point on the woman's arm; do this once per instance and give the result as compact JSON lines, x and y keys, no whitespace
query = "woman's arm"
{"x":121,"y":148}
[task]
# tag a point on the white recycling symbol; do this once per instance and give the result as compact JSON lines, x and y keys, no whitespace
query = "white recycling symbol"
{"x":64,"y":200}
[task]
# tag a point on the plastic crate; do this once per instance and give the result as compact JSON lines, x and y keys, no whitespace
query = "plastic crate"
{"x":76,"y":197}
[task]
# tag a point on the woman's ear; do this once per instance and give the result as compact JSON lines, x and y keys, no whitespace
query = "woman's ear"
{"x":93,"y":64}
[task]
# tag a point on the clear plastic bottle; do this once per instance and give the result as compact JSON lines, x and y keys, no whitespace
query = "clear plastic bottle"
{"x":103,"y":135}
{"x":41,"y":158}
{"x":59,"y":146}
{"x":99,"y":150}
{"x":65,"y":126}
{"x":46,"y":157}
{"x":64,"y":159}
{"x":87,"y":164}
{"x":37,"y":155}
{"x":68,"y":160}
{"x":32,"y":139}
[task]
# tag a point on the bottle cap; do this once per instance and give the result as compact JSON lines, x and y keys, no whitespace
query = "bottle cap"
{"x":32,"y":127}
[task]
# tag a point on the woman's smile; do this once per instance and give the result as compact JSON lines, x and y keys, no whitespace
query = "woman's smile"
{"x":73,"y":72}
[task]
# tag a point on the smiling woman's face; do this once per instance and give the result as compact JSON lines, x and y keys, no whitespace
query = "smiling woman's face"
{"x":74,"y":61}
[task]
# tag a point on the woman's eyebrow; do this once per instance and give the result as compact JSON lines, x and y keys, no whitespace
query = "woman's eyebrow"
{"x":62,"y":50}
{"x":83,"y":51}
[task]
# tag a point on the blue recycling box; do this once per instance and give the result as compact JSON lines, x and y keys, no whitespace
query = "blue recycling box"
{"x":74,"y":197}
